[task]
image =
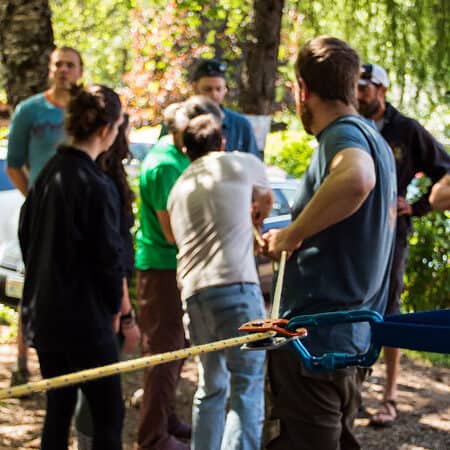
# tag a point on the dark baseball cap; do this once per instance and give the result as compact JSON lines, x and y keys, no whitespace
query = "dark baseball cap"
{"x":208,"y":68}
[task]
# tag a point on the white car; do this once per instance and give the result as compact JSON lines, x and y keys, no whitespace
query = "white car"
{"x":11,"y":264}
{"x":284,"y":190}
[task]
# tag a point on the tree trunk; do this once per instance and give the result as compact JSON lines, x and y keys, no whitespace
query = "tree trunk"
{"x":26,"y":41}
{"x":261,"y":62}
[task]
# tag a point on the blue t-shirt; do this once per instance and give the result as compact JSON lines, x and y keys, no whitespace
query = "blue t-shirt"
{"x":36,"y":130}
{"x":345,"y":266}
{"x":238,"y":133}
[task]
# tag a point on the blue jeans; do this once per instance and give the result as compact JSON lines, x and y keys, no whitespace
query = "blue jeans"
{"x":216,"y":313}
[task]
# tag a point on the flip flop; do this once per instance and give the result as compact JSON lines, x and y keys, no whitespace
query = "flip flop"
{"x":386,"y":415}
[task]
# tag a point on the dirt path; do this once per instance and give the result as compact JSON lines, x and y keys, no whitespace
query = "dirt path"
{"x":424,"y":405}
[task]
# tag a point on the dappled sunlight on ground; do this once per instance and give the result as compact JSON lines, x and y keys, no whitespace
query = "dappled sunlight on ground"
{"x":424,"y":399}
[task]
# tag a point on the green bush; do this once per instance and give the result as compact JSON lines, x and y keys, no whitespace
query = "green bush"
{"x":289,"y":150}
{"x":3,"y":132}
{"x":427,"y":280}
{"x":8,"y":317}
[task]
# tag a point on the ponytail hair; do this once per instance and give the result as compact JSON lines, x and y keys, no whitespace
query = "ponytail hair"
{"x":90,"y":109}
{"x":111,"y":162}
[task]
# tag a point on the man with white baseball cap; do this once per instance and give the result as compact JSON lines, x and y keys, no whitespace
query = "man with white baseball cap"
{"x":375,"y":74}
{"x":415,"y":150}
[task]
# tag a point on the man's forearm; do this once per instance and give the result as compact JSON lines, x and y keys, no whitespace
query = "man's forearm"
{"x":164,"y":221}
{"x":440,"y":194}
{"x":19,"y":178}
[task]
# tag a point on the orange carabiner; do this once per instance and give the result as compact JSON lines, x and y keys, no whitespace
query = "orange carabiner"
{"x":277,"y":325}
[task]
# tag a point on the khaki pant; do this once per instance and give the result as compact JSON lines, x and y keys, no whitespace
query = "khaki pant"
{"x":160,"y":320}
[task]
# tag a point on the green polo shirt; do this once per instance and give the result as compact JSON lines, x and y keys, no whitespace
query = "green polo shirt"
{"x":160,"y":170}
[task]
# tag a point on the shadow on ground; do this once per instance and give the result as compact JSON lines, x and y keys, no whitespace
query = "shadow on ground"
{"x":423,"y":424}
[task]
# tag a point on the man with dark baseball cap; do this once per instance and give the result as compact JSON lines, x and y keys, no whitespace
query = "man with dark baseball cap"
{"x":208,"y":78}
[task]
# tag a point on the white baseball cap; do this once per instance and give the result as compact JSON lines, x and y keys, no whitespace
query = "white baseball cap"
{"x":373,"y":73}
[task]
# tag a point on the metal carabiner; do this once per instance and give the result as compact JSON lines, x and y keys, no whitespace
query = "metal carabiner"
{"x":283,"y":337}
{"x":335,"y":360}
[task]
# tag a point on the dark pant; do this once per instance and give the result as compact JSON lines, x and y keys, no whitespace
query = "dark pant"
{"x":160,"y":316}
{"x":397,"y":274}
{"x":316,"y":411}
{"x":83,"y":416}
{"x":104,"y":396}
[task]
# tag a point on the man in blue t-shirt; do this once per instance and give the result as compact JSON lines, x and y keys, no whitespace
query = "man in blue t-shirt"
{"x":341,"y":241}
{"x":37,"y":126}
{"x":208,"y":78}
{"x":36,"y":129}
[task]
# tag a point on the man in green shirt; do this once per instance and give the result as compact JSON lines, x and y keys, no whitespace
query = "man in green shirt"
{"x":161,"y":168}
{"x":160,"y":310}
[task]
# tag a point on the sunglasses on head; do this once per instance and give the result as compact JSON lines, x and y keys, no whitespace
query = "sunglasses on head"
{"x":213,"y":67}
{"x":366,"y":74}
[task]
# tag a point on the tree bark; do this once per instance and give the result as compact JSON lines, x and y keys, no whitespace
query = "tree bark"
{"x":261,"y":62}
{"x":26,"y":41}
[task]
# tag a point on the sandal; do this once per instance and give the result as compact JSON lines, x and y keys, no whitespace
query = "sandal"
{"x":386,"y":415}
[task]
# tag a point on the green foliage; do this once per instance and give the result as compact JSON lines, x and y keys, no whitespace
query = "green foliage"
{"x":9,"y":317}
{"x":400,"y":35}
{"x":427,"y":283}
{"x":160,"y":43}
{"x":3,"y":132}
{"x":435,"y":359}
{"x":290,"y":151}
{"x":166,"y":40}
{"x":100,"y":31}
{"x":154,"y":43}
{"x":427,"y":280}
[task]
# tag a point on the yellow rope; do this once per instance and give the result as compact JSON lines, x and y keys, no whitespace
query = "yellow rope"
{"x":128,"y":366}
{"x":146,"y":361}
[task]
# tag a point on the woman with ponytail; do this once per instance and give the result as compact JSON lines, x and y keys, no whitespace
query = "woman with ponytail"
{"x":112,"y":163}
{"x":70,"y":238}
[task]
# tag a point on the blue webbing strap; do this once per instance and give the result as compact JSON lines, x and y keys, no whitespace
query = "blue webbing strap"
{"x":425,"y":331}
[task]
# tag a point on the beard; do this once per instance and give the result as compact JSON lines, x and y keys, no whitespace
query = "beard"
{"x":307,"y":117}
{"x":368,"y":109}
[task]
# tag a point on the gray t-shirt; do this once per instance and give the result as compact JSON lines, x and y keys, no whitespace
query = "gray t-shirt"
{"x":209,"y":208}
{"x":345,"y":266}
